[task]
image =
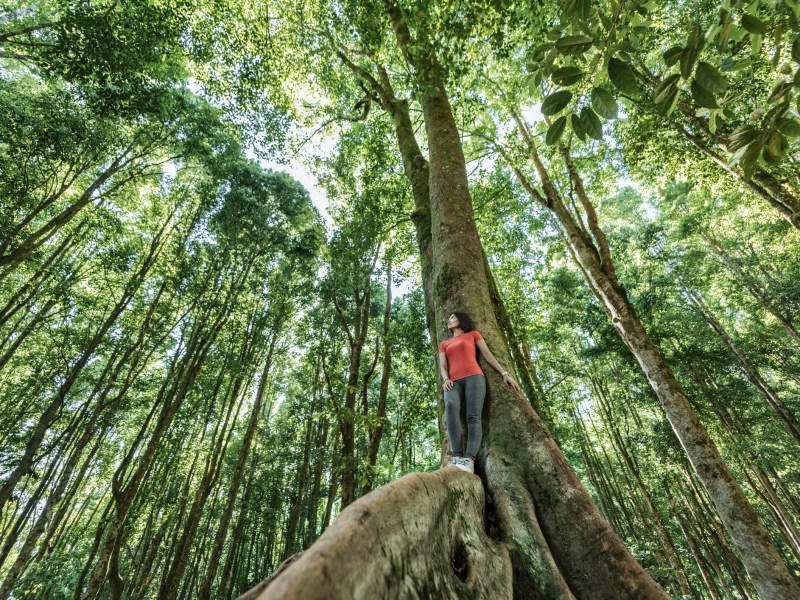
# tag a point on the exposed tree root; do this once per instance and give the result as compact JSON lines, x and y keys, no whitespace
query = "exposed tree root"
{"x":421,"y":536}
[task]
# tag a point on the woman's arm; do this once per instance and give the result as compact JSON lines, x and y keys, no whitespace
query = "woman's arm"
{"x":444,"y":369}
{"x":486,"y":353}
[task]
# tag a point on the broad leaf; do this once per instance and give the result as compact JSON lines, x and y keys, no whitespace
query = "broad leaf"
{"x":555,"y":131}
{"x":604,"y":103}
{"x":556,"y":102}
{"x":788,"y":127}
{"x":753,"y":24}
{"x":672,"y":55}
{"x":742,"y":137}
{"x":689,"y":54}
{"x":703,"y":97}
{"x":710,"y":78}
{"x":566,"y":76}
{"x":622,"y":76}
{"x":591,"y":123}
{"x":578,"y":126}
{"x":665,"y":95}
{"x":775,"y":148}
{"x":574,"y":44}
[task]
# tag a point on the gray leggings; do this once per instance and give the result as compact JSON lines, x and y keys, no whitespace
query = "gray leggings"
{"x":474,"y":389}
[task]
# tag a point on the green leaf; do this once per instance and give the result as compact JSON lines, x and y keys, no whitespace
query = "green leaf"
{"x":604,"y":103}
{"x":622,"y":76}
{"x":574,"y":44}
{"x":729,"y":65}
{"x":687,"y":58}
{"x":781,"y":89}
{"x":775,"y":148}
{"x":703,"y":97}
{"x":578,"y":126}
{"x":566,"y":76}
{"x":796,"y":50}
{"x":712,"y":122}
{"x":749,"y":160}
{"x":756,"y":39}
{"x":710,"y":78}
{"x":556,"y":102}
{"x":663,"y":88}
{"x":689,"y":54}
{"x":788,"y":127}
{"x":741,"y":138}
{"x":591,"y":123}
{"x":540,"y":50}
{"x":753,"y":24}
{"x":672,"y":55}
{"x":555,"y":131}
{"x":665,"y":96}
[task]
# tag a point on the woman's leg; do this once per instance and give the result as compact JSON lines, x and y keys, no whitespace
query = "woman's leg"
{"x":475,"y":393}
{"x":452,"y":413}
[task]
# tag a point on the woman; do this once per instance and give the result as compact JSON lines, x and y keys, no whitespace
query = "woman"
{"x":464,"y":379}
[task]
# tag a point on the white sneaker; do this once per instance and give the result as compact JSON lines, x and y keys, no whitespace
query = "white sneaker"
{"x":466,"y":464}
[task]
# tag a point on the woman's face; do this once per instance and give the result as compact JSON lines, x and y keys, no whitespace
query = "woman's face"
{"x":452,"y":322}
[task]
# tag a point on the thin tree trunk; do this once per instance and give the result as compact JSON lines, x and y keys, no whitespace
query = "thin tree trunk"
{"x":204,"y":592}
{"x":51,"y":412}
{"x":755,"y":287}
{"x":380,"y":413}
{"x":752,"y":373}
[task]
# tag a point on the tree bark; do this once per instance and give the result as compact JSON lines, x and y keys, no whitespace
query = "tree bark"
{"x":541,"y":514}
{"x":419,"y":536}
{"x":591,"y":253}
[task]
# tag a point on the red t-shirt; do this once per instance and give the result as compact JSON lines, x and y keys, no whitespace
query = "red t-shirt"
{"x":461,"y":356}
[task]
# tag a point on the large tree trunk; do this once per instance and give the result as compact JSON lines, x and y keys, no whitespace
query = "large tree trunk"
{"x":551,"y":541}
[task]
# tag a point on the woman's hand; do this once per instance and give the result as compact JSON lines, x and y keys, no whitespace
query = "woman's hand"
{"x":509,"y":381}
{"x":448,"y":384}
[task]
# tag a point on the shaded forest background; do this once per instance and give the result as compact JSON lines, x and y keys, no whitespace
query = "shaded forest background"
{"x":199,"y":369}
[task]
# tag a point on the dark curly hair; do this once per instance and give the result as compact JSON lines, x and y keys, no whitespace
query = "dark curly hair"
{"x":464,"y":321}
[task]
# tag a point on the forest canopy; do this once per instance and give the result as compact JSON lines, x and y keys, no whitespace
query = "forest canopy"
{"x":206,"y":366}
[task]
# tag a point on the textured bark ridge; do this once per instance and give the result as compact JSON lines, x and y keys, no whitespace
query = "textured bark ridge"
{"x":421,"y":536}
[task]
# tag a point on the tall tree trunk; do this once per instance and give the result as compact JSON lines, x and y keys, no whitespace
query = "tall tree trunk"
{"x":663,"y":536}
{"x":590,"y":251}
{"x":51,"y":411}
{"x":752,"y":373}
{"x":754,"y":286}
{"x":380,"y":412}
{"x":106,"y":567}
{"x":357,"y":339}
{"x":299,"y":494}
{"x":204,"y":593}
{"x":543,"y":516}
